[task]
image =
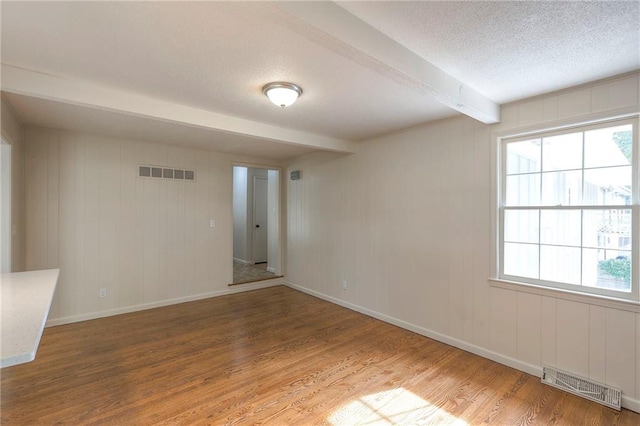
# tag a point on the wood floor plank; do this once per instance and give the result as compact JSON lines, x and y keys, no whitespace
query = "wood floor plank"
{"x":273,"y":356}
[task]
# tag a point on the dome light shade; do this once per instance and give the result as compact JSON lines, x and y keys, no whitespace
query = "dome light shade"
{"x":281,"y":93}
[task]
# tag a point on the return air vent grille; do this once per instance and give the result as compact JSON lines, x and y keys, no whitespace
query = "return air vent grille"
{"x":580,"y":386}
{"x":160,"y":172}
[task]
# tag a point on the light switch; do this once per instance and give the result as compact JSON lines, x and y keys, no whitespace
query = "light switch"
{"x":212,"y":223}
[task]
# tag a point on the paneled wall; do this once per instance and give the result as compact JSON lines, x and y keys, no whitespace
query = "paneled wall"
{"x":147,"y":241}
{"x":13,"y":133}
{"x":407,"y":223}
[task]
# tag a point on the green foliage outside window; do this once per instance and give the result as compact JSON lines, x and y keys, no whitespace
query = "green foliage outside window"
{"x":618,"y":268}
{"x":624,"y":142}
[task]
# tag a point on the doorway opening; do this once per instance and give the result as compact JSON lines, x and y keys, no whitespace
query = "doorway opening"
{"x":256,"y":224}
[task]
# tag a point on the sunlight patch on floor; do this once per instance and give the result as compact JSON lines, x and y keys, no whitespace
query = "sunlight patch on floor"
{"x":396,"y":406}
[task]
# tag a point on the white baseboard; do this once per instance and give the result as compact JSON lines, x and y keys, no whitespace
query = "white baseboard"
{"x":631,"y":403}
{"x":270,"y":269}
{"x":161,"y":303}
{"x":244,"y":262}
{"x":627,"y":402}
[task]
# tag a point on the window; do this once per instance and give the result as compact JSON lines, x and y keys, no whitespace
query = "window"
{"x":569,"y":209}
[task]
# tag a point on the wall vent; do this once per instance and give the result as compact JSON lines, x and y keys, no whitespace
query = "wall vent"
{"x":160,"y":172}
{"x":586,"y":388}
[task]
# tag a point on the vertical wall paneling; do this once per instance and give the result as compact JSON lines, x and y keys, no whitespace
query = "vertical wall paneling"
{"x":52,"y":214}
{"x":572,"y":338}
{"x":597,"y":343}
{"x":549,"y":109}
{"x":395,"y":220}
{"x":504,"y":317}
{"x":437,"y":234}
{"x":128,"y":252}
{"x":468,"y":157}
{"x":17,"y":201}
{"x":574,"y":103}
{"x":81,"y":279}
{"x":530,"y":112}
{"x":481,"y":240}
{"x":173,"y":268}
{"x":418,"y":218}
{"x":219,"y":200}
{"x":201,"y":253}
{"x":509,"y":115}
{"x":135,"y":294}
{"x":637,"y":354}
{"x":623,"y":93}
{"x":146,"y":241}
{"x":67,"y":207}
{"x":600,"y":98}
{"x":398,"y":253}
{"x":36,"y":207}
{"x":190,"y":230}
{"x":456,"y":229}
{"x":52,"y":201}
{"x":109,"y":238}
{"x":529,"y":328}
{"x":93,"y":215}
{"x":13,"y":133}
{"x":621,"y":350}
{"x":548,"y":331}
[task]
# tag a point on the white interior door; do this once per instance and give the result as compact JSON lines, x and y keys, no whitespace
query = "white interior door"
{"x":260,"y":224}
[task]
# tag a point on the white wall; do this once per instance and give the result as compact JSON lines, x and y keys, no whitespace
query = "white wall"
{"x":12,"y":133}
{"x":147,"y":241}
{"x":5,"y":207}
{"x":407,"y":221}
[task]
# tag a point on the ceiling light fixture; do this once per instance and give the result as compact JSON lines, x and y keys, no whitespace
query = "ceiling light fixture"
{"x":281,"y":93}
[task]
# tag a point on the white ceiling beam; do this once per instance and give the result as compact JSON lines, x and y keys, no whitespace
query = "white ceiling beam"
{"x":337,"y":29}
{"x":45,"y":86}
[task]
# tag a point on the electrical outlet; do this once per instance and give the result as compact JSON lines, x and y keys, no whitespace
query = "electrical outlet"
{"x":344,"y":284}
{"x":103,"y":292}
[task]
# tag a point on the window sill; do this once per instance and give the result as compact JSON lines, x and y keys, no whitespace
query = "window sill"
{"x":607,"y":302}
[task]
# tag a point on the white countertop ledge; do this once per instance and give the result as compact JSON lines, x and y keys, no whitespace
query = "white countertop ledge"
{"x":25,"y":299}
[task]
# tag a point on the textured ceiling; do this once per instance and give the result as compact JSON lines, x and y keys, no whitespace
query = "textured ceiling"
{"x":509,"y":50}
{"x":216,"y":56}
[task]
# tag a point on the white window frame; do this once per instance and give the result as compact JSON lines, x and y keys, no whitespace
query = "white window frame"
{"x":507,"y":281}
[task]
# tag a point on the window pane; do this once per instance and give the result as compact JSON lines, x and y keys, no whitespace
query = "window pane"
{"x":611,"y":146}
{"x":521,"y":260}
{"x":562,"y":188}
{"x":523,"y":157}
{"x":521,"y":226}
{"x":563,"y":152}
{"x":608,"y":269}
{"x":607,"y":229}
{"x":560,"y":264}
{"x":523,"y":190}
{"x":607,"y":186}
{"x":566,"y":215}
{"x":560,"y":227}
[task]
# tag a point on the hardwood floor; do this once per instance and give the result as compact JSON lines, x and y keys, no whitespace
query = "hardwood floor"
{"x":273,"y":356}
